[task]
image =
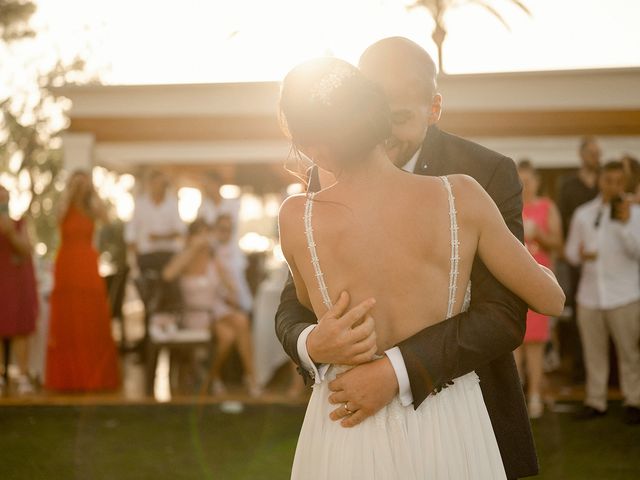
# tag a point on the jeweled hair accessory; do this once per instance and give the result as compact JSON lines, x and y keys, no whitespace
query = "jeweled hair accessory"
{"x":327,"y":84}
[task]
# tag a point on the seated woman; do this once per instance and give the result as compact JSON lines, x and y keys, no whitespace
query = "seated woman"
{"x":207,"y":287}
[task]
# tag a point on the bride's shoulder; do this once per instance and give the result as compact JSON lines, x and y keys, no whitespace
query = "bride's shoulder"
{"x":463,"y":180}
{"x":290,"y":216}
{"x":471,"y":198}
{"x":462,"y":186}
{"x":292,"y":206}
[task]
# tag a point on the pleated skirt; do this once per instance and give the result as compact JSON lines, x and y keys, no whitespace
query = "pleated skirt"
{"x":449,"y":437}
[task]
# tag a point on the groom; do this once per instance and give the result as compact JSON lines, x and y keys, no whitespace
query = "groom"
{"x":481,"y":339}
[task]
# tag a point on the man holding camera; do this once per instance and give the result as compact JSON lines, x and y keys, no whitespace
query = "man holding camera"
{"x":604,"y":238}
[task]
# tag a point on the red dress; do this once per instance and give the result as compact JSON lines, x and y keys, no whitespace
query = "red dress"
{"x":81,"y":353}
{"x":18,"y":296}
{"x":538,"y":213}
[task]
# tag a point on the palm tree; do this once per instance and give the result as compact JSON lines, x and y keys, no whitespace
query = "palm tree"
{"x":438,"y":8}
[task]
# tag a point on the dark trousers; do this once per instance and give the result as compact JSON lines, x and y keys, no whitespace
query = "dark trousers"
{"x":154,"y":262}
{"x":159,"y":296}
{"x":569,"y":278}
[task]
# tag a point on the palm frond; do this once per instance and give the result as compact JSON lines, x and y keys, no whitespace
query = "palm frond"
{"x":522,"y":6}
{"x":430,"y":5}
{"x":492,"y":11}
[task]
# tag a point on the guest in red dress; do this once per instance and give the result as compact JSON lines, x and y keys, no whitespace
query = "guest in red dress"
{"x":81,"y":353}
{"x":18,"y":296}
{"x":543,"y":237}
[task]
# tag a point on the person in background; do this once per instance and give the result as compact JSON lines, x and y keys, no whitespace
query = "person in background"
{"x":543,"y":237}
{"x":18,"y":296}
{"x":209,"y":293}
{"x":81,"y":353}
{"x":233,"y":258}
{"x":605,"y":239}
{"x":632,"y":175}
{"x":155,"y":230}
{"x":578,"y":188}
{"x":213,"y":204}
{"x":575,"y":190}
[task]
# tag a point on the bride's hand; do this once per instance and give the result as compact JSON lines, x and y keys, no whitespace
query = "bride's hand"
{"x":344,"y":338}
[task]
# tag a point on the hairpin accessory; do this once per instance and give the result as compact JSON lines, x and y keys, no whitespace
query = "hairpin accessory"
{"x":332,"y":80}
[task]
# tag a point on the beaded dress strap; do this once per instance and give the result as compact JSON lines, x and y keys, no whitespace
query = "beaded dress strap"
{"x":308,"y":230}
{"x":455,"y":247}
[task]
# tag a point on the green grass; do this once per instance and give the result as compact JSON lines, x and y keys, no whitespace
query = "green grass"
{"x":146,"y":442}
{"x":200,"y":442}
{"x":598,"y":449}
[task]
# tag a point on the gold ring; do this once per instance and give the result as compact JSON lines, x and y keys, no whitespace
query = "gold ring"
{"x":350,"y":412}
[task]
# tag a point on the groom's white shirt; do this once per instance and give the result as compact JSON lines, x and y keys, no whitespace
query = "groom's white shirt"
{"x":393,"y":354}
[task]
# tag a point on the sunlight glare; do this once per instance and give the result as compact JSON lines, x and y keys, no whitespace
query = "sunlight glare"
{"x":189,"y":200}
{"x":253,"y":242}
{"x":254,"y":40}
{"x":230,"y":192}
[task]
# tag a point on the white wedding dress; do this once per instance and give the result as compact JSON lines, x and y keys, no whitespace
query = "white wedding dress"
{"x":449,"y":436}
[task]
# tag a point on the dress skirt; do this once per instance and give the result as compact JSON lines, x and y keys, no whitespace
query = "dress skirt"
{"x":449,"y":437}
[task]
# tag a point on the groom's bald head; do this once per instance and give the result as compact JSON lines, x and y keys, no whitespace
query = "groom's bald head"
{"x":407,"y":74}
{"x":398,"y":60}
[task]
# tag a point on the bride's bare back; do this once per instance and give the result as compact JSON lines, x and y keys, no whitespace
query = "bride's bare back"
{"x":388,"y":237}
{"x":391,"y":241}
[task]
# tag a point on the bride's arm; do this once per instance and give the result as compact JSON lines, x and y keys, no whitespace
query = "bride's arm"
{"x":503,"y":254}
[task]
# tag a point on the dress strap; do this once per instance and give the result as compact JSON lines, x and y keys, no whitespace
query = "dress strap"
{"x":308,"y":230}
{"x":455,"y":247}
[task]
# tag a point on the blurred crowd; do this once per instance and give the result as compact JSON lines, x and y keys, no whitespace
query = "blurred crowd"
{"x":190,"y":278}
{"x":591,"y":238}
{"x":193,"y":278}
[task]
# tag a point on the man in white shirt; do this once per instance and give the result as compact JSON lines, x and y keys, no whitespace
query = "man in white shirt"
{"x":214,"y":204}
{"x":155,"y":232}
{"x":604,"y":238}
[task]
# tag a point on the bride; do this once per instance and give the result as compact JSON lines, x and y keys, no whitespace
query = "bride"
{"x":407,"y":243}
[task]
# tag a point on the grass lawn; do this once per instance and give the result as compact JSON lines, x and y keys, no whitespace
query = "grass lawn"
{"x":200,"y":442}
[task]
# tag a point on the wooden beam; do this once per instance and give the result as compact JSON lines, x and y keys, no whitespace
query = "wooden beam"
{"x":541,"y":123}
{"x":530,"y":123}
{"x":188,"y":128}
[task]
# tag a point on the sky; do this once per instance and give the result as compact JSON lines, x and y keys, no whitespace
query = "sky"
{"x":201,"y":41}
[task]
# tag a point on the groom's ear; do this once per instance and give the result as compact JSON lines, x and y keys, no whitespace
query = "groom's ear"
{"x":436,"y":109}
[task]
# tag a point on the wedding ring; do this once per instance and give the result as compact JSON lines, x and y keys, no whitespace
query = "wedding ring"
{"x":350,"y":412}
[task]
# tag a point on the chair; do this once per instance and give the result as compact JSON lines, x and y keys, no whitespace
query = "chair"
{"x":160,"y":298}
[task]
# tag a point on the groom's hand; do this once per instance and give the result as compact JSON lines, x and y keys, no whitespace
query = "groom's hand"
{"x":344,"y":338}
{"x":364,"y":390}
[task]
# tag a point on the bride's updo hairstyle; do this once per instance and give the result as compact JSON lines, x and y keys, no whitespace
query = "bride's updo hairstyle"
{"x":329,"y":102}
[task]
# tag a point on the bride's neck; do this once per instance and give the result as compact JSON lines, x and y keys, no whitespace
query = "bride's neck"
{"x":367,"y":170}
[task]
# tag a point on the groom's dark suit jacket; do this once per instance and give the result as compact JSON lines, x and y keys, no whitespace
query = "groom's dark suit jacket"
{"x":481,"y":339}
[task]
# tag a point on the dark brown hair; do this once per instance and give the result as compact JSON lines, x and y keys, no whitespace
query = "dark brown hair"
{"x":613,"y":165}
